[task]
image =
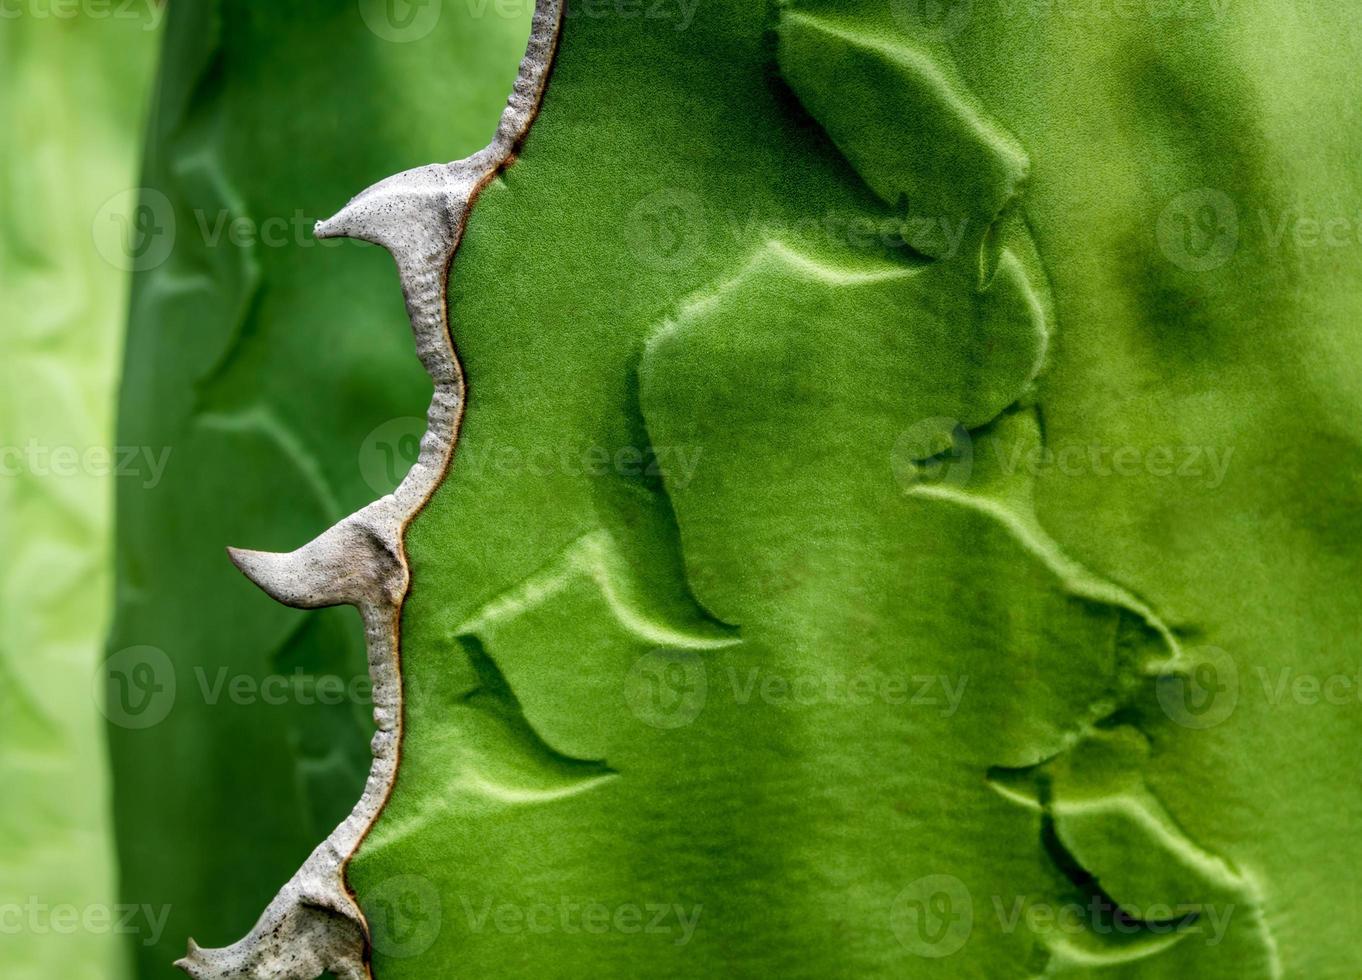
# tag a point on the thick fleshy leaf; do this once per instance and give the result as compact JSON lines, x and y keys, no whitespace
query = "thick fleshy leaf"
{"x":977,"y":523}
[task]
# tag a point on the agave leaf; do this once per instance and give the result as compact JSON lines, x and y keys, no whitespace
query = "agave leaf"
{"x":714,"y":254}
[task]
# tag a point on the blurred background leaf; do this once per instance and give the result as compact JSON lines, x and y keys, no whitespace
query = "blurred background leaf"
{"x":73,"y":91}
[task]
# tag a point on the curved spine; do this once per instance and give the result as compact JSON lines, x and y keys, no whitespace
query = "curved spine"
{"x":314,"y":924}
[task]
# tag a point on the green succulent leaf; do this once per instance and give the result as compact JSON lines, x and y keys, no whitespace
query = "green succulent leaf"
{"x":905,"y":520}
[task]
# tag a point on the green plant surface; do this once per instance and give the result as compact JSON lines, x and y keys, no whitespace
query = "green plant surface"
{"x":897,"y":452}
{"x":72,"y":96}
{"x":278,"y":372}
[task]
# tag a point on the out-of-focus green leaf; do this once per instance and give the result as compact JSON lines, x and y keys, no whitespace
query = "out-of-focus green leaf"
{"x":72,"y":96}
{"x":279,"y":375}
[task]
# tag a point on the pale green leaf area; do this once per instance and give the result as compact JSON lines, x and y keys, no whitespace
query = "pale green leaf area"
{"x":72,"y":97}
{"x":804,"y":603}
{"x":279,"y":372}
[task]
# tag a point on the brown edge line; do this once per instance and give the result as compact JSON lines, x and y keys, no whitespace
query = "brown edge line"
{"x":456,"y":427}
